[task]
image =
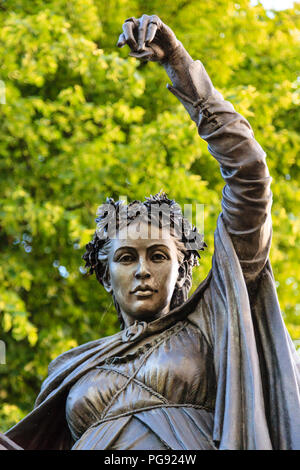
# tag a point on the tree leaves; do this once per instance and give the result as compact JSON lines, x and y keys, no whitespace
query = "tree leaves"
{"x":82,"y":122}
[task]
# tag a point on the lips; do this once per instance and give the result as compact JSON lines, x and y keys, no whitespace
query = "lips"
{"x":143,"y":291}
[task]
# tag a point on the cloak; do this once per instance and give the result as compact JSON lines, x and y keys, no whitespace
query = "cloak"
{"x":257,"y":366}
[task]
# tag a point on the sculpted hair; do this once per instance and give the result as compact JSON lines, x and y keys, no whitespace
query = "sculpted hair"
{"x":157,"y":210}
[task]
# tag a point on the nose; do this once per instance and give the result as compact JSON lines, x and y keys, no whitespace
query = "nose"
{"x":142,"y":271}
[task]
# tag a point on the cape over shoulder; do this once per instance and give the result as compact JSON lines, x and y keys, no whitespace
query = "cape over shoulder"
{"x":69,"y":360}
{"x":45,"y":427}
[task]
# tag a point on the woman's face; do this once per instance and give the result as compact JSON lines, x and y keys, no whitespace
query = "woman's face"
{"x":142,"y":273}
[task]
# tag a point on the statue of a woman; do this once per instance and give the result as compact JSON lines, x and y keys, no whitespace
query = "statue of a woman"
{"x":217,"y":370}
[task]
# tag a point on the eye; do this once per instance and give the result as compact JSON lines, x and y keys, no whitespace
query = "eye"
{"x":126,"y":259}
{"x":158,"y":256}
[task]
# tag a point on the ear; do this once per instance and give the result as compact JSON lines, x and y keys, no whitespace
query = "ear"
{"x":106,"y":281}
{"x":181,"y":275}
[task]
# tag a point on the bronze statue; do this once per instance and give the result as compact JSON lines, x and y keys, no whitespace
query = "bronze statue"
{"x":217,"y":370}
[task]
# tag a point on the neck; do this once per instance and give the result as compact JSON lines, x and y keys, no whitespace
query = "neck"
{"x":129,"y":319}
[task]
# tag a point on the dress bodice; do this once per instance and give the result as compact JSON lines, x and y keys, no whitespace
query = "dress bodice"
{"x":175,"y":368}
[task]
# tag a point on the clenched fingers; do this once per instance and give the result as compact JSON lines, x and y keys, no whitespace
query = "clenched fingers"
{"x":128,"y":31}
{"x":142,"y":31}
{"x":139,"y":33}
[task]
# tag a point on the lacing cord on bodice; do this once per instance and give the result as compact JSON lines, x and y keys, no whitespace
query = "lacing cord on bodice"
{"x":132,"y":376}
{"x":136,"y":382}
{"x":143,"y":352}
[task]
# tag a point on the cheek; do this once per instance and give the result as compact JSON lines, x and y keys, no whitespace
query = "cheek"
{"x":120,"y":277}
{"x":123,"y":281}
{"x":166,"y":274}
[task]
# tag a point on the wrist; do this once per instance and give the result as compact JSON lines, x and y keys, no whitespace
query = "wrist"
{"x":177,"y":68}
{"x":177,"y":57}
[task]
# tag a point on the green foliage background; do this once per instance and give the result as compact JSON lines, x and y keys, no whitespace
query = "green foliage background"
{"x":82,"y":122}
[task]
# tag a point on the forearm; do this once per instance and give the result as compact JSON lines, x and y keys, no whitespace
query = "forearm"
{"x":228,"y":134}
{"x":246,"y":197}
{"x":177,"y":68}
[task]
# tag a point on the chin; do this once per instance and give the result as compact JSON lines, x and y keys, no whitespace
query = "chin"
{"x":144,"y":313}
{"x":143,"y":309}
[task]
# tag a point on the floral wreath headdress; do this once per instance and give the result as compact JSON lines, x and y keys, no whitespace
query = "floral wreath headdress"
{"x":159,"y":210}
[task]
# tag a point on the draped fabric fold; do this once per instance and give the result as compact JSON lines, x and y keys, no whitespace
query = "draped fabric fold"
{"x":258,"y":403}
{"x":257,"y":366}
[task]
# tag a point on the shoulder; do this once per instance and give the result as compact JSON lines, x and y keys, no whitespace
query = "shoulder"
{"x":80,"y":351}
{"x":68,"y":365}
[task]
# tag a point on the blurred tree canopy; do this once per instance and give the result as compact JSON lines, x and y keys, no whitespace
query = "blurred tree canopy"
{"x":82,"y":122}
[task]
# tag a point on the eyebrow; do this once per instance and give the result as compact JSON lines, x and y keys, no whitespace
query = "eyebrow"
{"x":132,"y":248}
{"x":159,"y":245}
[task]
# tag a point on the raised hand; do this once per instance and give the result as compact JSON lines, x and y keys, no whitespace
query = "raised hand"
{"x":148,"y":38}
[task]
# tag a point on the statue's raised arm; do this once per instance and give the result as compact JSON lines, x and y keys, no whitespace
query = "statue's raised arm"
{"x":246,"y":197}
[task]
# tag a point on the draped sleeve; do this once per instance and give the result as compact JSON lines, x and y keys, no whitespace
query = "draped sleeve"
{"x":247,"y":198}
